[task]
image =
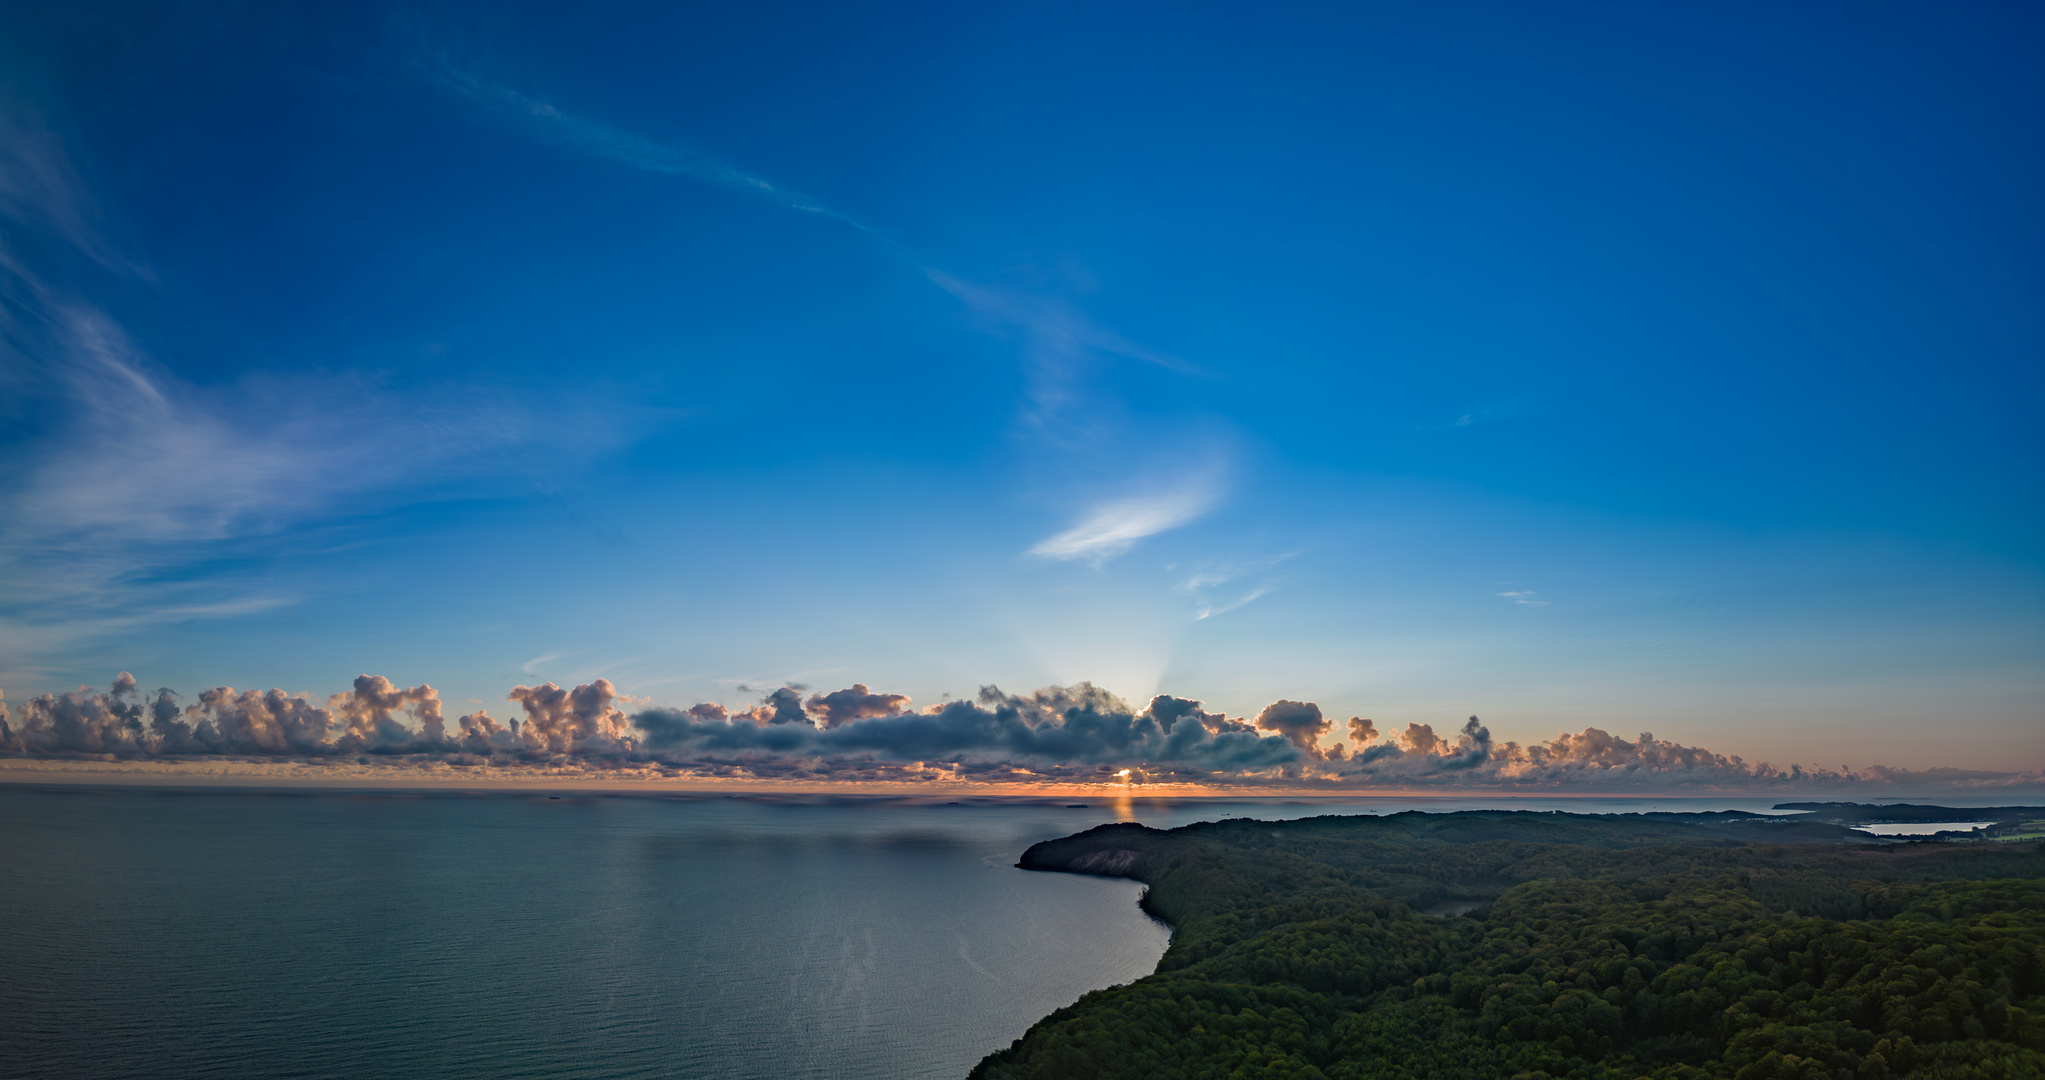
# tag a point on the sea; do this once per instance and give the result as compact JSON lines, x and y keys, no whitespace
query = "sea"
{"x":381,"y":934}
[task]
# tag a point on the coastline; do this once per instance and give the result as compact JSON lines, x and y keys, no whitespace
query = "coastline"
{"x":351,"y":775}
{"x":1285,"y":934}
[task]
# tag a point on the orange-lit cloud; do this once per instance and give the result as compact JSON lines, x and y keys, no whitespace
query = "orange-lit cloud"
{"x":1076,"y":734}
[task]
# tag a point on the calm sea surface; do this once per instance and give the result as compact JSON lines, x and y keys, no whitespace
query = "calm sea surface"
{"x":378,"y":935}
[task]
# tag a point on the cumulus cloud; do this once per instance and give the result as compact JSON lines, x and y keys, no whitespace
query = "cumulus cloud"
{"x":1596,"y":760}
{"x":565,"y":722}
{"x":1298,"y":722}
{"x":1065,"y":734}
{"x":783,"y":705}
{"x":841,"y":707}
{"x":482,"y":735}
{"x":369,"y":712}
{"x":1055,"y":732}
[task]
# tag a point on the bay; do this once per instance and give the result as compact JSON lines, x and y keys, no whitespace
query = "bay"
{"x":307,"y":933}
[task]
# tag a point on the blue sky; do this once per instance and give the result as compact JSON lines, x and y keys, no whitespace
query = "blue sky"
{"x":1664,"y":368}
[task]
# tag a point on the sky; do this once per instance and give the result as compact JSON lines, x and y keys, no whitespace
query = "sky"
{"x":1660,"y":368}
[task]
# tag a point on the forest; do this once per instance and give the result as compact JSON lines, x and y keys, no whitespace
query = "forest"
{"x":1537,"y":946}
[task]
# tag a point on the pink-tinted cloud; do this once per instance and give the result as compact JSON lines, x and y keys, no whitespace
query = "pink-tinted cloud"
{"x":841,"y":707}
{"x":1067,"y":734}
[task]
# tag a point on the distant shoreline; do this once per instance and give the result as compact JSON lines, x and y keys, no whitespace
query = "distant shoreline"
{"x":266,"y":778}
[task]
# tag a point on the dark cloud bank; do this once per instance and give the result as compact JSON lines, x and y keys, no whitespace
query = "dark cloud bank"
{"x":1065,"y":734}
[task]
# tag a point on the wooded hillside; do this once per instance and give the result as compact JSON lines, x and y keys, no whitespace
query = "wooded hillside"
{"x":1668,"y":946}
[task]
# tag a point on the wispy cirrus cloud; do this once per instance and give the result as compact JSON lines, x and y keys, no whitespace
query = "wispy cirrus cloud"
{"x":1523,"y":597}
{"x":1060,"y":343}
{"x":40,"y":191}
{"x":1059,"y":340}
{"x":532,"y":666}
{"x":594,"y":137}
{"x":1112,"y":527}
{"x":1206,"y":578}
{"x":120,"y":475}
{"x":141,"y":471}
{"x":1257,"y":593}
